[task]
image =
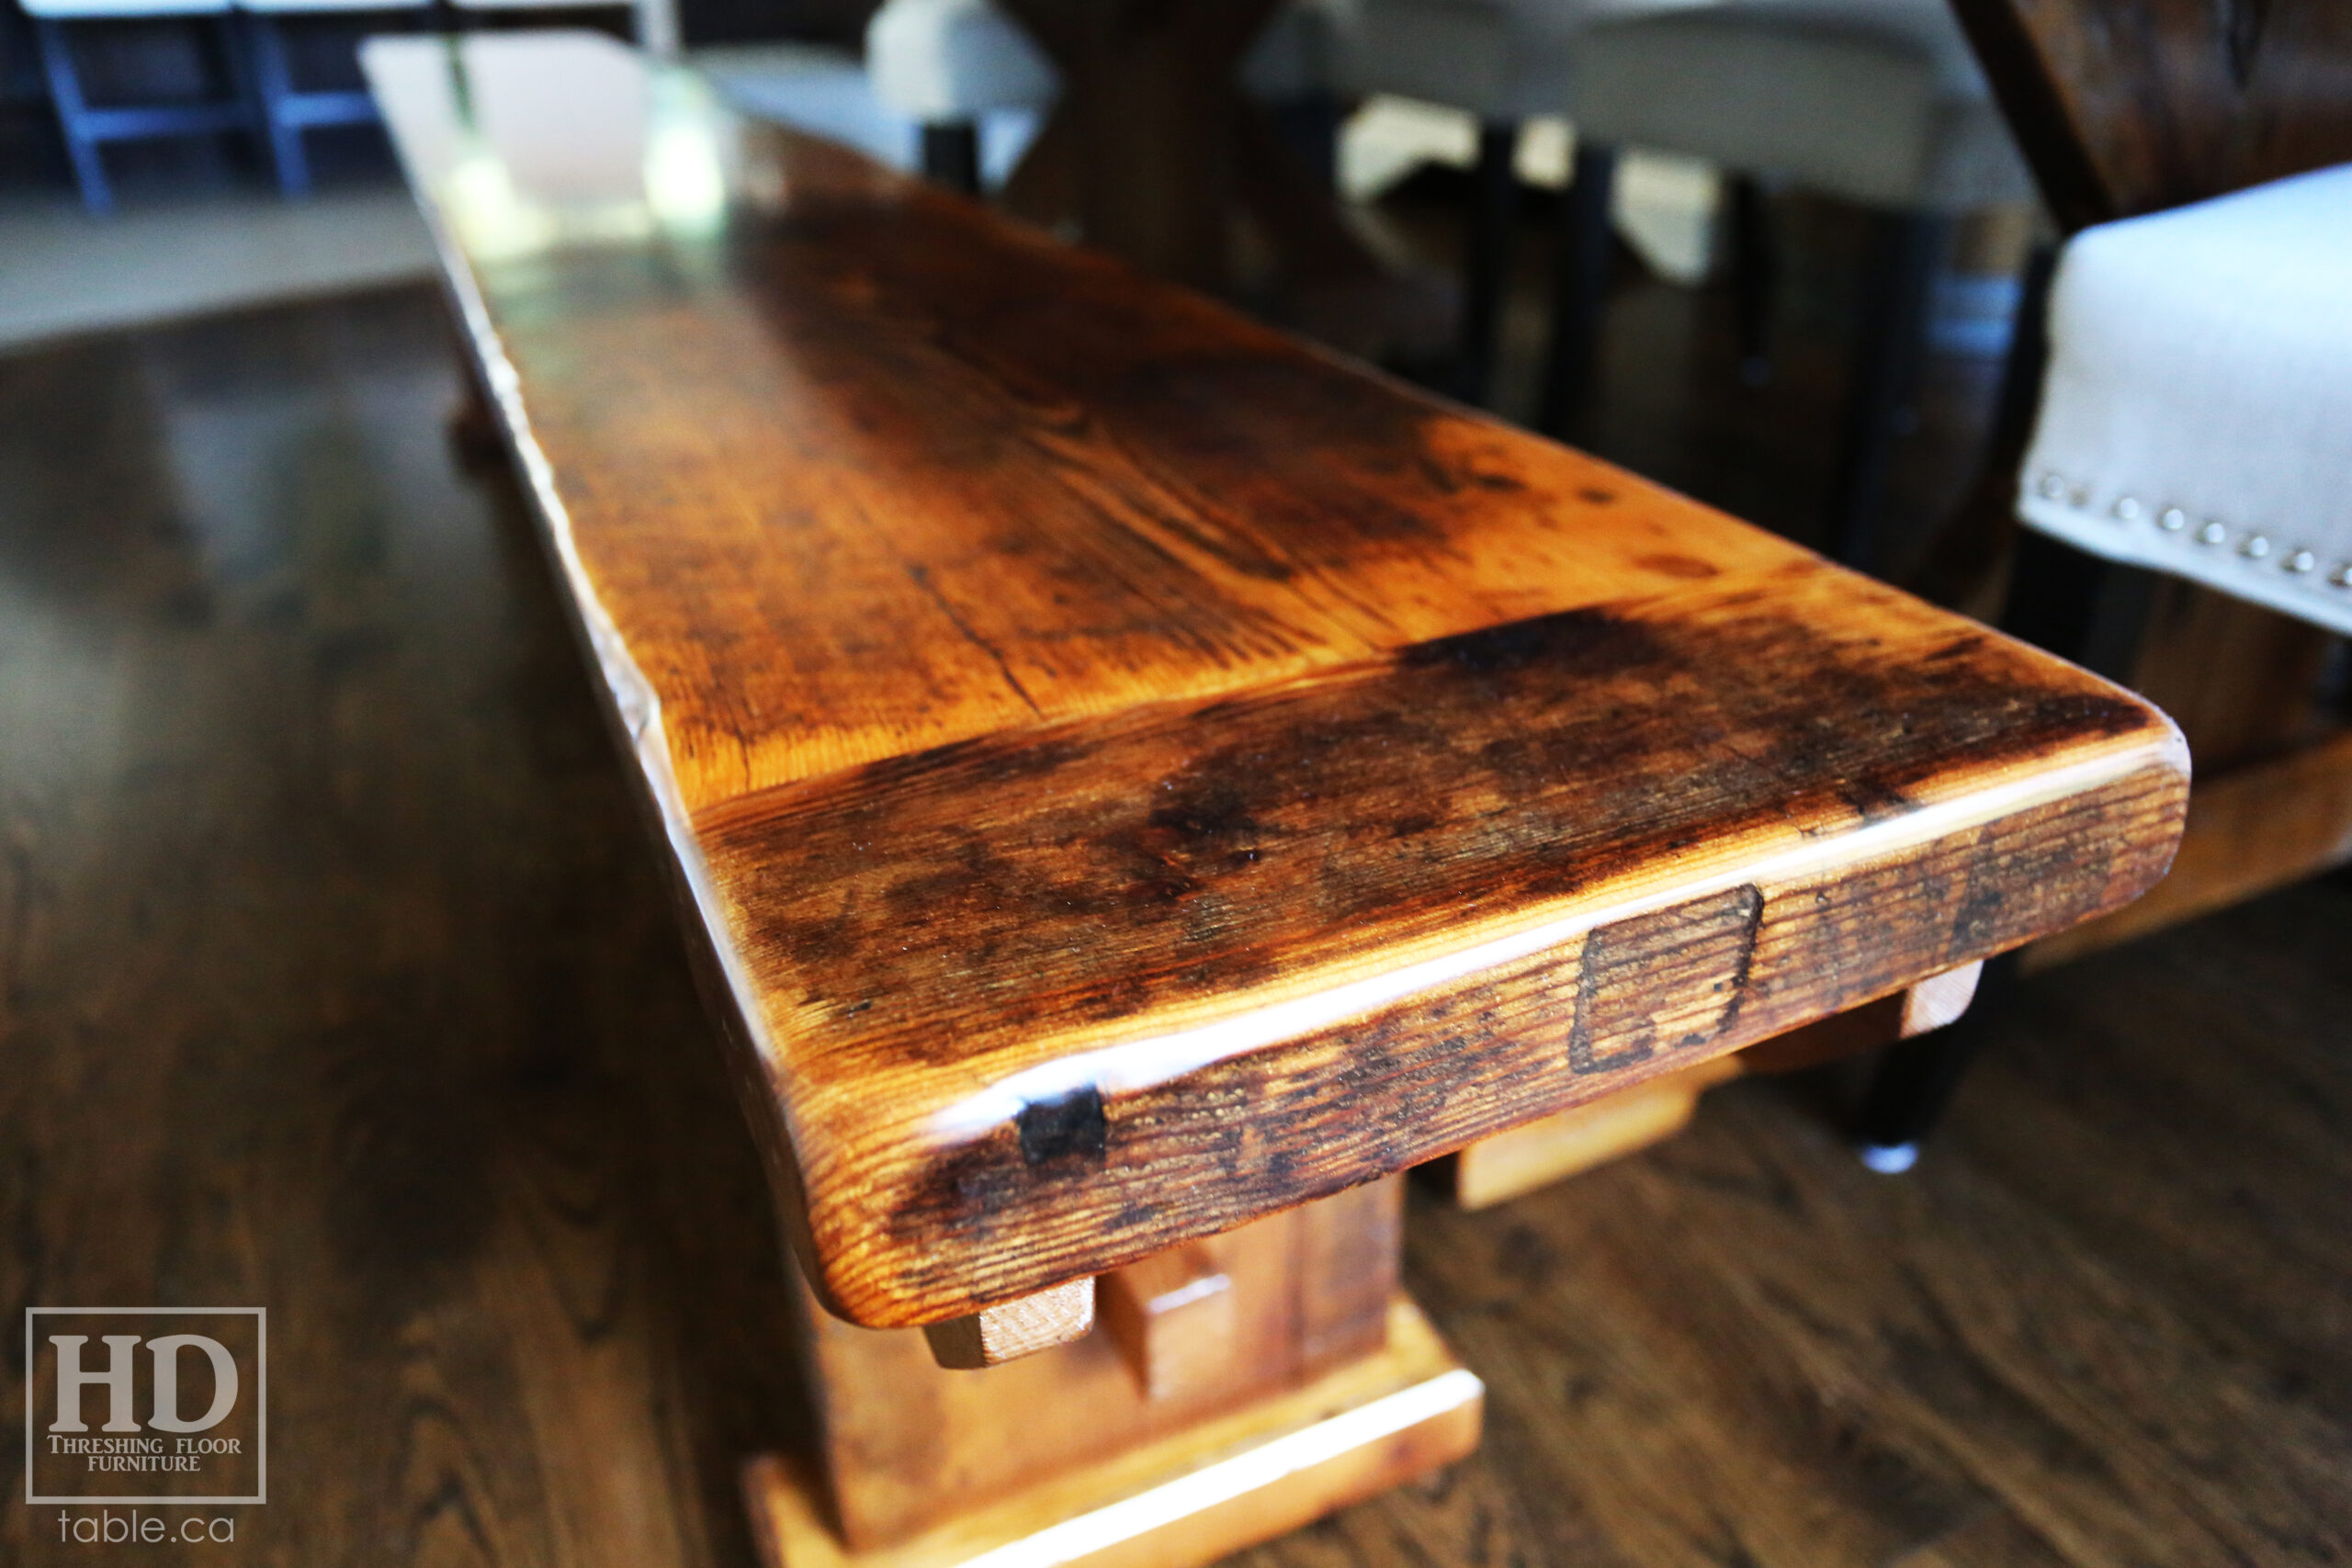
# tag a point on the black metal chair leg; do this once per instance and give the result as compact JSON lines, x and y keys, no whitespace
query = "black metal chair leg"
{"x":1918,"y":1078}
{"x":951,"y":155}
{"x":1755,"y":277}
{"x":1579,"y":289}
{"x":1486,"y":258}
{"x":2079,"y":607}
{"x":1905,"y":249}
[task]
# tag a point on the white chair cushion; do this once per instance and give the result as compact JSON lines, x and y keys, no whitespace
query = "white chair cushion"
{"x":1500,"y":59}
{"x":1460,"y":53}
{"x":1877,"y":102}
{"x":1925,"y":26}
{"x":94,"y":10}
{"x":2197,"y":415}
{"x":937,"y":61}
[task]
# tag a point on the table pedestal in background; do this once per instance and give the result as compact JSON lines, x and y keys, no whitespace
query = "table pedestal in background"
{"x":1153,"y":149}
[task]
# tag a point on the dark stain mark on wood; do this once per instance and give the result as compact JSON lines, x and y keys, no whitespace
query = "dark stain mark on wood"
{"x":1070,"y":1126}
{"x":1030,"y":687}
{"x":1070,"y":886}
{"x":1568,"y":639}
{"x":1025,"y":881}
{"x":1666,"y":563}
{"x":1310,"y":1116}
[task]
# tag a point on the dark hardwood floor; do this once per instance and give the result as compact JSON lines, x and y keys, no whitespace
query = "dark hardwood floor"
{"x":336,"y":976}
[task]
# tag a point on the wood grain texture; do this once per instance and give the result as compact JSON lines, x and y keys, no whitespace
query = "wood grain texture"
{"x":1569,"y":1143}
{"x":1535,"y":1153}
{"x":2248,"y":830}
{"x":1079,"y":713}
{"x":332,"y":960}
{"x":904,"y":1446}
{"x":1933,"y":1003}
{"x":331,"y":949}
{"x":1012,"y":1329}
{"x":1174,"y":1316}
{"x":1229,"y":940}
{"x":2126,"y":107}
{"x":1190,"y":1496}
{"x":2056,"y":1342}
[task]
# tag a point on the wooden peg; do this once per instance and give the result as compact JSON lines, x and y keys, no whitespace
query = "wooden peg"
{"x":1173,"y":1315}
{"x":996,"y":1335}
{"x":1938,"y":1000}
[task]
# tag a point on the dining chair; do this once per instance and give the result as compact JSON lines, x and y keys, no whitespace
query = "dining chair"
{"x":1503,"y":62}
{"x":289,"y":109}
{"x":2177,"y":437}
{"x":88,"y":128}
{"x":948,"y":65}
{"x":1878,"y":103}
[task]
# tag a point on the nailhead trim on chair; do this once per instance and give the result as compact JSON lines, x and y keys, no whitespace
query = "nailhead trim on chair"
{"x":2252,"y":547}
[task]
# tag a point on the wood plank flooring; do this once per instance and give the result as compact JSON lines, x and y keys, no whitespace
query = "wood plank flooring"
{"x":331,"y":956}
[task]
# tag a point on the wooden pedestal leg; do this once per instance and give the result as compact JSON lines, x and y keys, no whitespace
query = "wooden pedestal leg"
{"x":1510,"y":1164}
{"x":1232,"y":1390}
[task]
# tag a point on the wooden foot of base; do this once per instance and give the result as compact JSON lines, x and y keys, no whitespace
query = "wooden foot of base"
{"x":1188,"y":1498}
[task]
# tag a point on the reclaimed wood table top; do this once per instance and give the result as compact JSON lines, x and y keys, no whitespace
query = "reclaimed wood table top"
{"x":1133,"y":772}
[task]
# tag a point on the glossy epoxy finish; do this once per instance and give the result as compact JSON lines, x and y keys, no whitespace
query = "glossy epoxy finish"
{"x":1138,"y":774}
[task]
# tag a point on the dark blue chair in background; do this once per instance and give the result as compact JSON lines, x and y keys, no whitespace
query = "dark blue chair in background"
{"x":289,"y":109}
{"x":89,"y":127}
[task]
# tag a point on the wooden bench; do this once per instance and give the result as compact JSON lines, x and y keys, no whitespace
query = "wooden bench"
{"x":1138,"y":784}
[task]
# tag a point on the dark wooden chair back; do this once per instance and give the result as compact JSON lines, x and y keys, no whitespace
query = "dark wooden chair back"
{"x":2125,"y":107}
